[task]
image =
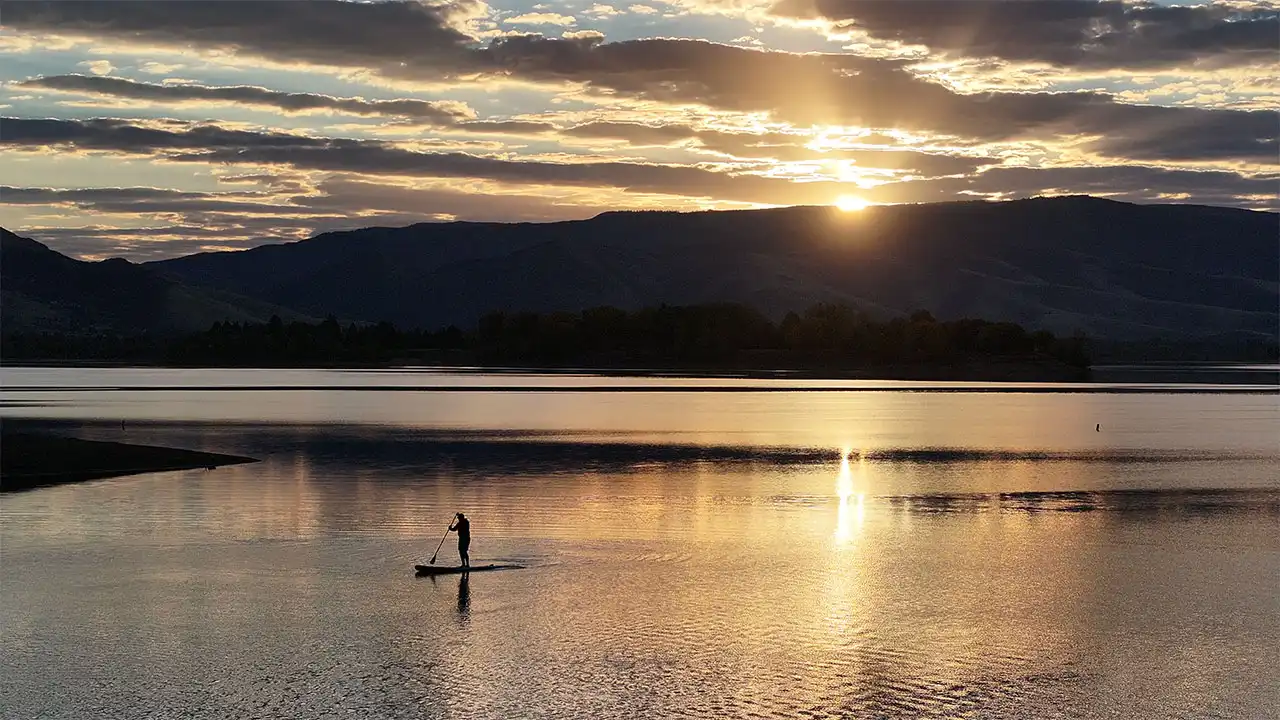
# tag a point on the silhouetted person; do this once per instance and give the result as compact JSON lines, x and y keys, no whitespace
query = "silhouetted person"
{"x":462,"y":526}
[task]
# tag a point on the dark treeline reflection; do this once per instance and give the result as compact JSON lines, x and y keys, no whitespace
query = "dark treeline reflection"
{"x":708,"y":336}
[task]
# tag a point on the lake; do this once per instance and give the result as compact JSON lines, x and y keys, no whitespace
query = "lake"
{"x":693,"y":547}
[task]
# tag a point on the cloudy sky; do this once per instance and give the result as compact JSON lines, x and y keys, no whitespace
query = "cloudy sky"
{"x":164,"y":127}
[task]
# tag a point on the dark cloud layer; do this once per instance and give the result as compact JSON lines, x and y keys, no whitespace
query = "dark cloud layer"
{"x":204,"y":143}
{"x":448,"y":116}
{"x":316,"y":32}
{"x":127,"y":137}
{"x":213,"y":144}
{"x":1134,"y":183}
{"x":1096,"y":34}
{"x":135,"y":200}
{"x":403,"y":109}
{"x":407,"y":40}
{"x":50,"y":196}
{"x":845,"y":90}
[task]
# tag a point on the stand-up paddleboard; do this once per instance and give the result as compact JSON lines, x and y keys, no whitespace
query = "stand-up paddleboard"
{"x":458,"y":570}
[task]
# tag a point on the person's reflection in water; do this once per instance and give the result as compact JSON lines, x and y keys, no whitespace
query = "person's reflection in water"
{"x":464,"y":594}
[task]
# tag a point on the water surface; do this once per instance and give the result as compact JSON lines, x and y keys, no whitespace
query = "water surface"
{"x":891,"y":552}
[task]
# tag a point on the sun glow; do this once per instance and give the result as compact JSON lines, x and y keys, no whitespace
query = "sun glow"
{"x":849,"y":203}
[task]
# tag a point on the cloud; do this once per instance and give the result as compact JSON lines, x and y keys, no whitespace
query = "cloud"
{"x":777,"y":146}
{"x":341,"y":194}
{"x":1133,"y":183}
{"x":601,"y":11}
{"x":178,"y":222}
{"x":758,"y":118}
{"x":189,"y":142}
{"x":1098,"y":34}
{"x":98,"y":67}
{"x":402,"y":40}
{"x":590,"y":35}
{"x":846,"y":90}
{"x":141,"y":200}
{"x":175,"y":239}
{"x":155,"y":68}
{"x":338,"y":203}
{"x":377,"y":157}
{"x":541,"y":18}
{"x":506,"y":127}
{"x":55,"y":196}
{"x":127,"y":137}
{"x":317,"y":32}
{"x":633,"y":133}
{"x":420,"y":111}
{"x":423,"y":42}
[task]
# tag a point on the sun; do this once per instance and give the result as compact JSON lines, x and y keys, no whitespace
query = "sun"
{"x":849,"y":203}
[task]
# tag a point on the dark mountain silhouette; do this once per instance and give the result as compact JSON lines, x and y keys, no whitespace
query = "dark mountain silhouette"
{"x":1110,"y":269}
{"x":44,"y":291}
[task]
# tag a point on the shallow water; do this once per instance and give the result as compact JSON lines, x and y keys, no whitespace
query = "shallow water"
{"x":689,"y":554}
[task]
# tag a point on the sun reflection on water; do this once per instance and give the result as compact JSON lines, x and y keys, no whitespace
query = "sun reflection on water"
{"x":852,"y":509}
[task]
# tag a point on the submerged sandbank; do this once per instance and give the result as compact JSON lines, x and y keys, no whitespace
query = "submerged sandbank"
{"x":31,"y":460}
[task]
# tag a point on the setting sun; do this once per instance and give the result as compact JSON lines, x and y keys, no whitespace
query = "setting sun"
{"x":849,"y":203}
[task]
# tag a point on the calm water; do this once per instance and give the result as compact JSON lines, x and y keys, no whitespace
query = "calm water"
{"x":694,"y":548}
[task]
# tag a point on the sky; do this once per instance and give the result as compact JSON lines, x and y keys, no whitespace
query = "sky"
{"x":162,"y":128}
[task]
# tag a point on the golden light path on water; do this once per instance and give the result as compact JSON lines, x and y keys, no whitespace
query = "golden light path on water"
{"x":851,"y":512}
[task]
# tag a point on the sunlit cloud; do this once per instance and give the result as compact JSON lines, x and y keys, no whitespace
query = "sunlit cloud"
{"x":600,"y":10}
{"x":98,"y":67}
{"x":156,"y":68}
{"x":541,"y":18}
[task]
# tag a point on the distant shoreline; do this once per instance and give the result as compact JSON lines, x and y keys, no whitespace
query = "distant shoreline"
{"x":34,"y":460}
{"x":991,"y":370}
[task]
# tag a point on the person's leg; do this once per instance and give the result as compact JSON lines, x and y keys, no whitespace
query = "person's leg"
{"x":462,"y":554}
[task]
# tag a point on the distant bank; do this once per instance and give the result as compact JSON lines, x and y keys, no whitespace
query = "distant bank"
{"x":32,"y":460}
{"x":1009,"y":370}
{"x":826,"y":341}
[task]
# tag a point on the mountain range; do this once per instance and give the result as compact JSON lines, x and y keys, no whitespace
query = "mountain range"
{"x":1066,"y":264}
{"x":45,"y":291}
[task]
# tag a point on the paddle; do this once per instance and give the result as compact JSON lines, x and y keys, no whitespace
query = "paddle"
{"x":437,"y":552}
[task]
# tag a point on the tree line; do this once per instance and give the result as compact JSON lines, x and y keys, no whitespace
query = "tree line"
{"x":721,"y":335}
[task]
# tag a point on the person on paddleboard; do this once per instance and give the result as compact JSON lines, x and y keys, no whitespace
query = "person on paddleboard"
{"x":462,"y":526}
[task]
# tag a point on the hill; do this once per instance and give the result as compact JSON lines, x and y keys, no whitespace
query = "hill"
{"x":1110,"y":269}
{"x":44,"y":291}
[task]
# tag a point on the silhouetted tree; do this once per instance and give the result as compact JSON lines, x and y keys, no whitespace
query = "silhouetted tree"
{"x":825,"y":335}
